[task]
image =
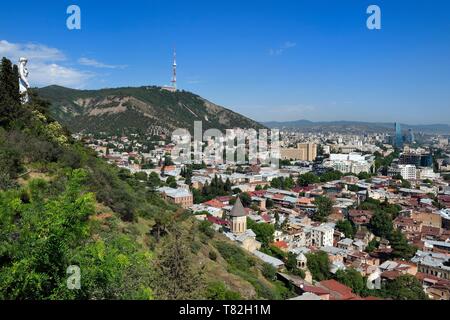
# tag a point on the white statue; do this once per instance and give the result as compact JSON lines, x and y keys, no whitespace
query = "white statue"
{"x":23,"y":81}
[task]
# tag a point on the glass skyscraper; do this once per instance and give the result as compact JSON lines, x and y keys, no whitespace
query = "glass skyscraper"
{"x":398,"y":136}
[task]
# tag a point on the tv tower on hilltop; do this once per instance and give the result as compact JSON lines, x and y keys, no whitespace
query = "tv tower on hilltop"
{"x":174,"y":69}
{"x":173,"y":86}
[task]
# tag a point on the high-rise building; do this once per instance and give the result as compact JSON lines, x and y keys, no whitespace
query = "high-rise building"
{"x":303,"y":152}
{"x":398,"y":136}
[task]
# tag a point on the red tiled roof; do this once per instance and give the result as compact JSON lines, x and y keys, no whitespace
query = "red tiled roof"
{"x":218,"y":221}
{"x":259,"y":193}
{"x":316,"y":290}
{"x":214,"y":203}
{"x":338,"y":291}
{"x":281,"y":244}
{"x":224,"y":198}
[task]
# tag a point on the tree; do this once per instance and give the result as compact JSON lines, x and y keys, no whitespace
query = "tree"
{"x":264,"y":231}
{"x":153,"y":181}
{"x":141,"y":176}
{"x":205,"y":227}
{"x":171,"y":182}
{"x":175,"y":276}
{"x":269,"y":271}
{"x":347,"y":228}
{"x":319,"y":265}
{"x":381,"y":224}
{"x":218,"y":291}
{"x":401,"y":248}
{"x":38,"y":233}
{"x":9,"y":93}
{"x":331,"y":176}
{"x":306,"y":179}
{"x":353,"y":279}
{"x":405,"y":287}
{"x":291,"y":265}
{"x":324,"y":207}
{"x":373,"y":244}
{"x":245,"y":199}
{"x":364,"y":175}
{"x":406,"y":184}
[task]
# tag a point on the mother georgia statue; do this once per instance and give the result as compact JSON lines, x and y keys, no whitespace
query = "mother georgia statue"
{"x":23,"y":81}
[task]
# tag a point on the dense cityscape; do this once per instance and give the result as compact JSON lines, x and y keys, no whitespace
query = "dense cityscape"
{"x":378,"y":205}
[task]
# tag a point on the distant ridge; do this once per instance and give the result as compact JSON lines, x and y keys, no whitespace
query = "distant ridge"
{"x":354,"y":125}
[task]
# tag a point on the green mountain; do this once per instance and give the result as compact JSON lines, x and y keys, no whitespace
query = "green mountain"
{"x":143,"y":109}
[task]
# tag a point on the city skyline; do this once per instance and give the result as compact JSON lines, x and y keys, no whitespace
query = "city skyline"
{"x":297,"y":60}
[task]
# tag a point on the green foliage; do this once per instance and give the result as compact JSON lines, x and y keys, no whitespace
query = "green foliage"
{"x":205,"y":227}
{"x":245,"y":198}
{"x":41,"y":237}
{"x":9,"y":93}
{"x":212,"y":255}
{"x":291,"y":265}
{"x":234,"y":256}
{"x":168,"y":109}
{"x":347,"y":228}
{"x":364,"y":176}
{"x":319,"y":265}
{"x":324,"y":206}
{"x":264,"y":231}
{"x":373,"y":245}
{"x":372,"y":204}
{"x":141,"y":176}
{"x":405,"y":287}
{"x":218,"y":291}
{"x":331,"y":176}
{"x":153,"y":181}
{"x":352,"y":279}
{"x":175,"y":276}
{"x":275,"y":252}
{"x":241,"y":264}
{"x":283,"y":183}
{"x":269,"y":271}
{"x":216,"y":188}
{"x":308,"y":178}
{"x":384,"y":162}
{"x":401,"y":248}
{"x":381,"y":224}
{"x":171,"y":182}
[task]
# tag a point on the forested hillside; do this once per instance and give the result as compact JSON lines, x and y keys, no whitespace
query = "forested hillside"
{"x":60,"y":205}
{"x":141,"y":109}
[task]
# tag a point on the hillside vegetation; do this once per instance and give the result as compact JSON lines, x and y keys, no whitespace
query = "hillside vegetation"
{"x":62,"y":206}
{"x":142,"y":109}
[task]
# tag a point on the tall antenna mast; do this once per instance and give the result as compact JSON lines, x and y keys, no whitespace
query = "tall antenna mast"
{"x":174,"y":68}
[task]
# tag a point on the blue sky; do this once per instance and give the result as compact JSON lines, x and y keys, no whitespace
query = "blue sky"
{"x":270,"y":60}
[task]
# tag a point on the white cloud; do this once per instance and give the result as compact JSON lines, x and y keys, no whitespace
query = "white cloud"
{"x":44,"y":64}
{"x":48,"y":74}
{"x":37,"y":52}
{"x":279,"y":51}
{"x":96,"y":64}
